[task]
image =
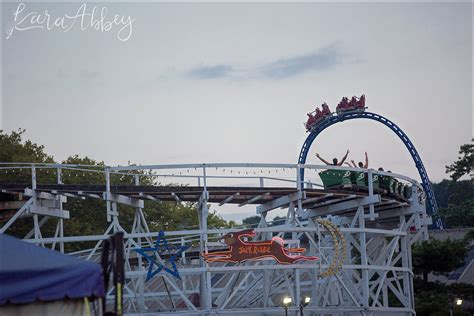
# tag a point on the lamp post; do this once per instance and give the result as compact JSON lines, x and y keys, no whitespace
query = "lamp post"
{"x":286,"y":302}
{"x":457,"y":303}
{"x":304,"y":301}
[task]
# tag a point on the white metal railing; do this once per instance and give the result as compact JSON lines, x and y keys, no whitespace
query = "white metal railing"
{"x":250,"y":171}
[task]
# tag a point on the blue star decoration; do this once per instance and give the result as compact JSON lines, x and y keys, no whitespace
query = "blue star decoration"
{"x":161,"y":248}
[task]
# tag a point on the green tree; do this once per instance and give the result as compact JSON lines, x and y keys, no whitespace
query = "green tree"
{"x":13,"y":149}
{"x":456,"y":202}
{"x":251,"y":221}
{"x":464,"y":164}
{"x":437,"y":299}
{"x":278,"y":220}
{"x":438,"y":256}
{"x":455,"y":216}
{"x":88,"y":216}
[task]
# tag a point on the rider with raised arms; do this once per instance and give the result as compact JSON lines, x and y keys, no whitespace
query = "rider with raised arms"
{"x":335,"y":162}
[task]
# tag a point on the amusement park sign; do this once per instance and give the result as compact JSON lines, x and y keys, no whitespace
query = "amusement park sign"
{"x":240,"y":250}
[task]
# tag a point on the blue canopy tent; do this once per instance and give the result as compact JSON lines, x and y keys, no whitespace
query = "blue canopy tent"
{"x":30,"y":274}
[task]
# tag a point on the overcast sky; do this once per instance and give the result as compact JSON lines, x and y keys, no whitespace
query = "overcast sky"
{"x":233,"y":82}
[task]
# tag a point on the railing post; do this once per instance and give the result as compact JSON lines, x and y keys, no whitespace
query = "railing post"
{"x":59,"y":176}
{"x":61,"y":220}
{"x":137,"y":228}
{"x":33,"y":187}
{"x":370,"y":182}
{"x":298,"y":177}
{"x":33,"y":178}
{"x":204,"y":177}
{"x":107,"y":193}
{"x":205,"y":287}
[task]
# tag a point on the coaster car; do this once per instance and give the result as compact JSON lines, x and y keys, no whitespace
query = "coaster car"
{"x":355,"y":180}
{"x":317,"y":117}
{"x":353,"y":105}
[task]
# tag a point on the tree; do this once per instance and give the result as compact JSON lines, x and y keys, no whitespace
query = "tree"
{"x":455,"y":216}
{"x":437,"y":299}
{"x":278,"y":220}
{"x":465,"y":163}
{"x":88,"y":217}
{"x":13,"y":149}
{"x":438,"y":256}
{"x":251,"y":221}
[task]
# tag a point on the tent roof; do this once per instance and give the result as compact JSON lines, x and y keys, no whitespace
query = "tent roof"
{"x":29,"y":273}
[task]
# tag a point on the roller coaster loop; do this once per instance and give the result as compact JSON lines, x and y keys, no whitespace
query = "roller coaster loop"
{"x":331,"y":120}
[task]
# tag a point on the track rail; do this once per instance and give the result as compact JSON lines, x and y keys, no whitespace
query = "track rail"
{"x":425,"y":181}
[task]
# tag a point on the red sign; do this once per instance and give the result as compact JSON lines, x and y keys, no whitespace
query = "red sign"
{"x":240,"y":250}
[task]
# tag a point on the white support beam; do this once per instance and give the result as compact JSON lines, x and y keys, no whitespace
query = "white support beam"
{"x":317,"y":199}
{"x":176,"y":197}
{"x":11,"y":192}
{"x":123,"y":199}
{"x":332,"y":201}
{"x":46,"y":195}
{"x":72,"y":195}
{"x":255,"y":198}
{"x":151,"y":198}
{"x":48,"y":211}
{"x":229,"y":198}
{"x":41,"y":222}
{"x":20,"y":212}
{"x":344,"y":205}
{"x":282,"y":201}
{"x":92,"y":195}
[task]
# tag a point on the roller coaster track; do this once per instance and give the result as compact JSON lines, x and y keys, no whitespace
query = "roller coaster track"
{"x":329,"y":121}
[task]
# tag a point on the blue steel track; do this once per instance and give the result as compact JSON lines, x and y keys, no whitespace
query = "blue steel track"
{"x":331,"y":120}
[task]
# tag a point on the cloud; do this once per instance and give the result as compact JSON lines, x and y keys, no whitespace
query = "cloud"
{"x":323,"y":59}
{"x":211,"y":72}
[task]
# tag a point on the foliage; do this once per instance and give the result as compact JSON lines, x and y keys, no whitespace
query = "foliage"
{"x":453,"y":192}
{"x":14,"y":150}
{"x":465,"y":163}
{"x":254,"y":220}
{"x":278,"y":220}
{"x":251,"y":221}
{"x":455,"y":216}
{"x":456,"y":202}
{"x":438,"y":256}
{"x":88,"y":216}
{"x":436,"y":299}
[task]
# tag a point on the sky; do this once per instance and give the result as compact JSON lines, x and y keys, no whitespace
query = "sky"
{"x":232,"y":82}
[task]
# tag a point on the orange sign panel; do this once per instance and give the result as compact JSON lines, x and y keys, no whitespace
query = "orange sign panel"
{"x":240,"y":250}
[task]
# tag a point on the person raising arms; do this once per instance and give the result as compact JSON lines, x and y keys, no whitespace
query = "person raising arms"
{"x":362,"y":165}
{"x":353,"y":164}
{"x":335,"y":162}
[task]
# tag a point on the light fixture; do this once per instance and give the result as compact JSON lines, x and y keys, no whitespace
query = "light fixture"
{"x":287,"y":301}
{"x":458,"y":302}
{"x":306,"y":300}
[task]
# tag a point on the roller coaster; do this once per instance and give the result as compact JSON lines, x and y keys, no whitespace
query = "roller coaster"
{"x":360,"y":224}
{"x":356,"y":110}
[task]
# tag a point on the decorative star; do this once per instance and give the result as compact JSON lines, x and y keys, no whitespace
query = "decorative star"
{"x":161,"y":247}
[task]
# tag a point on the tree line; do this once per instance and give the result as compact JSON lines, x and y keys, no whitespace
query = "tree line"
{"x":88,"y":216}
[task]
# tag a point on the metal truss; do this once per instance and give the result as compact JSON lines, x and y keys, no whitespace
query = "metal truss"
{"x":363,"y":240}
